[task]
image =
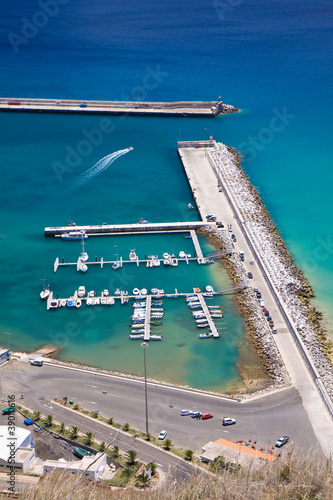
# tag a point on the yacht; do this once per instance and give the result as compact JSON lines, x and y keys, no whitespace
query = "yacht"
{"x":144,"y":291}
{"x":83,"y":268}
{"x":182,"y":254}
{"x":166,"y":262}
{"x":81,"y":291}
{"x":209,"y":289}
{"x":105,"y":292}
{"x":117,"y":292}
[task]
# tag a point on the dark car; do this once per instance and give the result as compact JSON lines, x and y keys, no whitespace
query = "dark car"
{"x":249,"y":275}
{"x":269,"y":318}
{"x":206,"y":416}
{"x":266,"y":313}
{"x":281,"y":441}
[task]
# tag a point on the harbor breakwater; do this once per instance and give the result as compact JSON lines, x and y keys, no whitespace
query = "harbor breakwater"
{"x":291,"y":285}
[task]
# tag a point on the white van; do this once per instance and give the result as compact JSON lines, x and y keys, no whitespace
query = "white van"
{"x":36,"y":362}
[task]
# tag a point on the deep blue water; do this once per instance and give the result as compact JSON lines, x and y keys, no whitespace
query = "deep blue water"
{"x":272,"y":59}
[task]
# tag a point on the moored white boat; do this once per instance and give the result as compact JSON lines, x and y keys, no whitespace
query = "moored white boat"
{"x":83,"y":268}
{"x":81,"y":291}
{"x":62,"y":302}
{"x":54,"y":303}
{"x":136,"y":291}
{"x":205,"y":335}
{"x":117,"y":292}
{"x":45,"y":289}
{"x":156,"y":337}
{"x":78,"y":303}
{"x":74,"y":235}
{"x":144,"y":291}
{"x":91,"y":293}
{"x":182,"y":254}
{"x":136,"y":336}
{"x":109,"y":301}
{"x":132,"y":255}
{"x":209,"y":289}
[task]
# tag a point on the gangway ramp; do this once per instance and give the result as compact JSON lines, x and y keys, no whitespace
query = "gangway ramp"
{"x":147,"y":318}
{"x":208,"y":316}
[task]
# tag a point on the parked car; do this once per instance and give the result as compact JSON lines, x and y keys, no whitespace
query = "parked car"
{"x":206,"y":416}
{"x":250,"y":275}
{"x":228,"y":421}
{"x":269,"y":318}
{"x":255,"y":289}
{"x":196,"y":414}
{"x":233,"y":236}
{"x":274,"y":330}
{"x":186,"y":412}
{"x":271,"y":324}
{"x":266,"y":313}
{"x":162,"y":435}
{"x":281,"y":441}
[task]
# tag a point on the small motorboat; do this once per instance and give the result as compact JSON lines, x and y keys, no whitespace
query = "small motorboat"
{"x":116,"y":265}
{"x":81,"y":291}
{"x":157,"y":309}
{"x":136,"y":336}
{"x":188,"y":236}
{"x":62,"y":302}
{"x":70,"y":302}
{"x":190,"y":206}
{"x":201,"y":321}
{"x":54,"y":303}
{"x":154,"y":291}
{"x":166,"y":255}
{"x":105,"y":292}
{"x":209,"y":289}
{"x":182,"y":254}
{"x":91,"y":293}
{"x":78,"y":303}
{"x":139,"y":305}
{"x":208,"y":295}
{"x":44,"y":293}
{"x":136,"y":291}
{"x":144,"y":291}
{"x":156,"y":323}
{"x":166,"y":262}
{"x":205,"y":335}
{"x":117,"y":292}
{"x":138,"y":330}
{"x":83,"y":268}
{"x":202,"y":325}
{"x":156,"y":337}
{"x":197,"y":290}
{"x":132,"y":255}
{"x":174,"y":262}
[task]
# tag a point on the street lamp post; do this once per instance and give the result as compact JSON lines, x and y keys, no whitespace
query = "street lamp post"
{"x":144,"y":345}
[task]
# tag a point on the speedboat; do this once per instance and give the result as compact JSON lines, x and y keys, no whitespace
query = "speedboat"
{"x":136,"y":336}
{"x":201,"y":320}
{"x":117,"y":292}
{"x":174,"y":262}
{"x":81,"y":291}
{"x":138,"y":330}
{"x":182,"y":254}
{"x":70,"y":302}
{"x":209,"y":289}
{"x":166,"y":262}
{"x":132,"y":255}
{"x":166,"y":255}
{"x":190,"y":206}
{"x":205,"y":335}
{"x":136,"y":291}
{"x":105,"y":292}
{"x":78,"y":303}
{"x":156,"y":337}
{"x":116,"y":265}
{"x":154,"y":291}
{"x":91,"y":293}
{"x":74,"y":235}
{"x":202,"y":325}
{"x":144,"y":291}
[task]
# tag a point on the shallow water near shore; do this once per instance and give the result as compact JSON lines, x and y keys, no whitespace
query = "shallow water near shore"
{"x":277,"y":64}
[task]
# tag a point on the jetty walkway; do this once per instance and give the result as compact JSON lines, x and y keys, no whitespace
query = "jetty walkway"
{"x":207,"y":170}
{"x":178,"y":108}
{"x":112,"y":229}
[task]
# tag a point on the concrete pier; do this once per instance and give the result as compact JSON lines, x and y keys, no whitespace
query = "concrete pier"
{"x":112,"y":229}
{"x":178,"y":108}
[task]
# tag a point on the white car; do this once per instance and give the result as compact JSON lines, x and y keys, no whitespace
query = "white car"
{"x":162,"y":435}
{"x":186,"y":412}
{"x":228,"y":421}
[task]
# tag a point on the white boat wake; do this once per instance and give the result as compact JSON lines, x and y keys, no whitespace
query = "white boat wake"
{"x":98,"y":168}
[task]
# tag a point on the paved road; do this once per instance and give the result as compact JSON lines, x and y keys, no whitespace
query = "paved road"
{"x":263,"y":419}
{"x":209,"y":200}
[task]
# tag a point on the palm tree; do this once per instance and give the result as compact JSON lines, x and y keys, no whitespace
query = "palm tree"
{"x":148,"y":436}
{"x":126,"y":427}
{"x":65,"y":399}
{"x":189,"y":455}
{"x":110,"y":421}
{"x":152,"y":466}
{"x":36,"y":415}
{"x":167,"y":444}
{"x":74,"y":432}
{"x":115,"y":451}
{"x":102,"y":446}
{"x":49,"y":421}
{"x":143,"y":478}
{"x":126,"y":472}
{"x":131,"y":456}
{"x":94,"y":414}
{"x":62,"y":428}
{"x":89,"y":437}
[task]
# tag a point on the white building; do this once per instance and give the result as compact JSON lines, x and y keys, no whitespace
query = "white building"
{"x":96,"y":465}
{"x":15,"y":449}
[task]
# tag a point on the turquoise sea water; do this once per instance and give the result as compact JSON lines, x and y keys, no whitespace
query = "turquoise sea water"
{"x":272,"y":59}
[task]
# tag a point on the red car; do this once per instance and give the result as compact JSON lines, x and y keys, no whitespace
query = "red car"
{"x":206,"y":416}
{"x":271,"y":324}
